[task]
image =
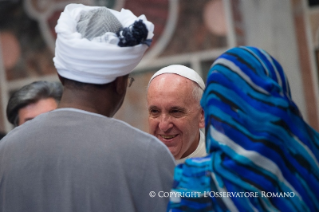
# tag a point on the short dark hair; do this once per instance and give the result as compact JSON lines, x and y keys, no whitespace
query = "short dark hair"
{"x":29,"y":94}
{"x":2,"y":134}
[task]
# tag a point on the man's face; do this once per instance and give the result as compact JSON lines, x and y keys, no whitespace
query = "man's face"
{"x":174,"y":115}
{"x":32,"y":110}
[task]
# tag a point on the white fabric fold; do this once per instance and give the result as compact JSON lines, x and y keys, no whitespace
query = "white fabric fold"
{"x":100,"y":60}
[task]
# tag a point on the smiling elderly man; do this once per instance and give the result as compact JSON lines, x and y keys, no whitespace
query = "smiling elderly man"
{"x":175,"y":114}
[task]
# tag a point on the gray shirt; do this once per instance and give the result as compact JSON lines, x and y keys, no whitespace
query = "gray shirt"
{"x":72,"y":160}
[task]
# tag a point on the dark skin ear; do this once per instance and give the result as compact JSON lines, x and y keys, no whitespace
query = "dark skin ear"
{"x":61,"y":79}
{"x":121,"y":84}
{"x":118,"y":91}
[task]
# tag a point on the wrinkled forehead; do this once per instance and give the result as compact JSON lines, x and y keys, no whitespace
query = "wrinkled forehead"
{"x":168,"y":91}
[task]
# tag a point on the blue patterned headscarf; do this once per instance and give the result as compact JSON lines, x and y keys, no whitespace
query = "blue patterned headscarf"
{"x":263,"y":155}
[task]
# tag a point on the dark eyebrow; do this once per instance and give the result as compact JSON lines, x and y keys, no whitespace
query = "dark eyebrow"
{"x":177,"y":108}
{"x":152,"y":107}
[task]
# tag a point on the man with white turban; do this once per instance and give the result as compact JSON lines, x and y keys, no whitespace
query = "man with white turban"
{"x":175,"y":115}
{"x":78,"y":158}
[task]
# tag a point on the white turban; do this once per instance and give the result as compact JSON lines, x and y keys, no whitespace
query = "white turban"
{"x":182,"y":71}
{"x":100,"y":60}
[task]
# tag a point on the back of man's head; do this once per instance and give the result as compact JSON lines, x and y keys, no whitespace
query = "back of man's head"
{"x":95,"y":46}
{"x":29,"y":94}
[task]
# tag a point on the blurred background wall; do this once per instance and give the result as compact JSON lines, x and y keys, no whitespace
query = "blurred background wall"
{"x":187,"y":32}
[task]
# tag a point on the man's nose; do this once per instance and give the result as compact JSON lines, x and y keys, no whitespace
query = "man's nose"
{"x":165,"y":123}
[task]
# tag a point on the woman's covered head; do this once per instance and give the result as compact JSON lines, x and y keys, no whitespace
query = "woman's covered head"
{"x":247,"y":93}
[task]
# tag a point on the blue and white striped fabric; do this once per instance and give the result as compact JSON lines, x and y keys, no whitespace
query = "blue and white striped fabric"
{"x":257,"y":140}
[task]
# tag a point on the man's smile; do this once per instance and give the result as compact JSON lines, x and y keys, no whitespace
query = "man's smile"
{"x":168,"y":136}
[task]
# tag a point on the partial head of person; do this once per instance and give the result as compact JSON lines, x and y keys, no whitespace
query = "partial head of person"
{"x":96,"y":50}
{"x":2,"y":134}
{"x":175,"y":114}
{"x":261,"y":150}
{"x":32,"y":100}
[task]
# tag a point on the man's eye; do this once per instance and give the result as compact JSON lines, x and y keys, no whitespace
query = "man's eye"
{"x":176,"y":113}
{"x":154,"y":112}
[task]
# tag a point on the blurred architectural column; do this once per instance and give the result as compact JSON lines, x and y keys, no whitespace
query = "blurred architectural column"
{"x":4,"y":124}
{"x":271,"y":25}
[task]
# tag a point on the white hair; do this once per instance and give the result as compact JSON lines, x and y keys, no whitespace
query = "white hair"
{"x":197,"y":92}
